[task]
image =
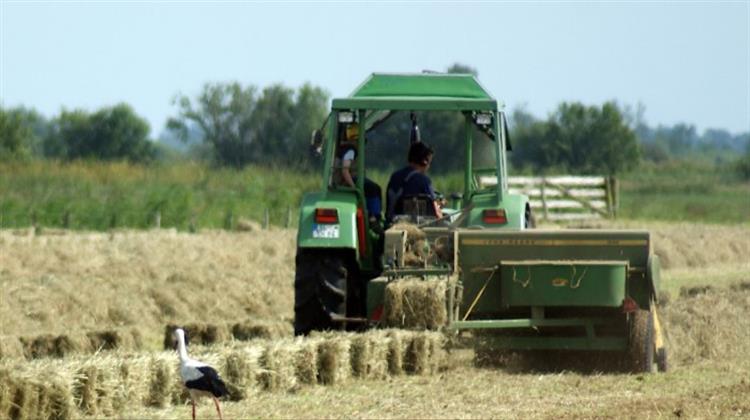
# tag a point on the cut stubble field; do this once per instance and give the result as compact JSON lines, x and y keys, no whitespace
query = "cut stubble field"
{"x":144,"y":280}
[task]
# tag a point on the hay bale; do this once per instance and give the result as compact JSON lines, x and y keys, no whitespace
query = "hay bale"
{"x":111,"y":340}
{"x":359,"y":352}
{"x":397,"y":346}
{"x":198,"y":333}
{"x":10,"y":347}
{"x":134,"y":380}
{"x":334,"y":364}
{"x":424,"y":354}
{"x":241,"y":368}
{"x":379,"y":350}
{"x":416,"y":303}
{"x":48,"y":345}
{"x":247,"y":225}
{"x":162,"y":381}
{"x":306,"y":361}
{"x":95,"y":387}
{"x":251,"y":329}
{"x":277,"y":363}
{"x":39,"y":346}
{"x":7,"y":391}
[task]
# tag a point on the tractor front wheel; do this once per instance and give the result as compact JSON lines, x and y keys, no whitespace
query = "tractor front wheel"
{"x":319,"y":291}
{"x":641,"y":341}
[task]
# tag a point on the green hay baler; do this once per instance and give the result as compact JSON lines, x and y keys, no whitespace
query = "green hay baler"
{"x":518,"y":288}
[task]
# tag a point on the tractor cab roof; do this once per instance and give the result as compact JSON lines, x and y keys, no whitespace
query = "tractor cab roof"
{"x":419,"y":92}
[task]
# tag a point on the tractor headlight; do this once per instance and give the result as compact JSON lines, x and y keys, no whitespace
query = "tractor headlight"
{"x":483,"y":119}
{"x":346,"y":117}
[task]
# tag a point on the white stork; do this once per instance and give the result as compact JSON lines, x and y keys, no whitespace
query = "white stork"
{"x":199,"y":378}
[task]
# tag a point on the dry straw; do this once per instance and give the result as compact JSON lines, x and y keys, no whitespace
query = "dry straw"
{"x":241,"y":369}
{"x":10,"y":347}
{"x":416,"y":303}
{"x":278,"y":365}
{"x":334,"y":363}
{"x":109,"y":384}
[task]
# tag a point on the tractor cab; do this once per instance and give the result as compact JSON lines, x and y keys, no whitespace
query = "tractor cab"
{"x":345,"y":220}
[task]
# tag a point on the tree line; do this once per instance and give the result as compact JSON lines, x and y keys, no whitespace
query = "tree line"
{"x":234,"y":125}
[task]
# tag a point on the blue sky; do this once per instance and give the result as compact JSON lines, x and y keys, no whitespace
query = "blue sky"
{"x":685,"y":61}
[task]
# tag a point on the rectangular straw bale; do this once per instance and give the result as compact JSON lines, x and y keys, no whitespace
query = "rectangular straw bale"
{"x":25,"y":399}
{"x":416,"y":303}
{"x":121,"y":338}
{"x":10,"y":347}
{"x":306,"y":360}
{"x":7,"y":391}
{"x":252,"y":329}
{"x":379,"y":350}
{"x":241,"y":368}
{"x":334,"y":364}
{"x":95,"y":387}
{"x":277,"y":363}
{"x":198,"y":333}
{"x":359,"y":352}
{"x":397,"y":346}
{"x":135,"y":376}
{"x":425,"y":352}
{"x":162,"y":380}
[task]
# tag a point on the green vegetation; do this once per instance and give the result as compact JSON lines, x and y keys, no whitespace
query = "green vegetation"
{"x":96,"y":195}
{"x":685,"y":191}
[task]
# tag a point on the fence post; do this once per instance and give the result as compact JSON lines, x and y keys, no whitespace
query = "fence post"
{"x":288,"y":220}
{"x":193,"y":223}
{"x":265,"y":218}
{"x":229,"y":220}
{"x":544,"y":199}
{"x":157,"y":219}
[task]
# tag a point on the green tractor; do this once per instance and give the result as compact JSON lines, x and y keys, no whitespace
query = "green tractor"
{"x":519,"y":288}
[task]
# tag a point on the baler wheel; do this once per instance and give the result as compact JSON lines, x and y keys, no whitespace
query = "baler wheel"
{"x":641,"y":342}
{"x":661,"y":359}
{"x":319,"y":292}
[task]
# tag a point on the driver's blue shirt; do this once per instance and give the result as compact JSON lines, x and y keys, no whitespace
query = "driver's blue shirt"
{"x":407,"y":182}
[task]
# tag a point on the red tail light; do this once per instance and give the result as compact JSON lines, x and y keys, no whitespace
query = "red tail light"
{"x":494,"y":217}
{"x":326,"y":216}
{"x":377,"y":313}
{"x":629,"y":305}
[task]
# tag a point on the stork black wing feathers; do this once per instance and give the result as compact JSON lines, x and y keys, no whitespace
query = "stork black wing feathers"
{"x":210,"y":382}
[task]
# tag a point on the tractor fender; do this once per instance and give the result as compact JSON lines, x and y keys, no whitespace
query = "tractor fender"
{"x":341,"y":235}
{"x":653,"y":275}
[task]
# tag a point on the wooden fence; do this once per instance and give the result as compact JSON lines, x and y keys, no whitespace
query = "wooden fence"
{"x":555,"y":198}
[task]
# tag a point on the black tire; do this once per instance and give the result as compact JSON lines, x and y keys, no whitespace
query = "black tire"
{"x":641,"y":341}
{"x":661,"y":359}
{"x":319,"y":292}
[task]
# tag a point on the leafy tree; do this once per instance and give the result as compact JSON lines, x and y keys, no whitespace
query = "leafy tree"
{"x":15,"y":136}
{"x":223,"y":113}
{"x":578,"y":139}
{"x":111,"y":133}
{"x":244,"y":128}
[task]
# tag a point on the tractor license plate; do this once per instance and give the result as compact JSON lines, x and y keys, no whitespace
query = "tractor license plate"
{"x":326,"y":231}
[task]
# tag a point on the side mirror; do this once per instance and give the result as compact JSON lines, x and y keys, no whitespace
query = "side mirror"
{"x":316,"y":142}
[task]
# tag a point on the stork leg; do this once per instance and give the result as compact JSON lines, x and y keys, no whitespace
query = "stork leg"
{"x":218,"y":409}
{"x":192,"y":401}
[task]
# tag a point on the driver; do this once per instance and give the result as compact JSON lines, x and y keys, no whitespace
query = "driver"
{"x":411,"y":180}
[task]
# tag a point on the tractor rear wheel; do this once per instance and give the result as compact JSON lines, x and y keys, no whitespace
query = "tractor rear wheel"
{"x":641,"y":341}
{"x":319,"y":292}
